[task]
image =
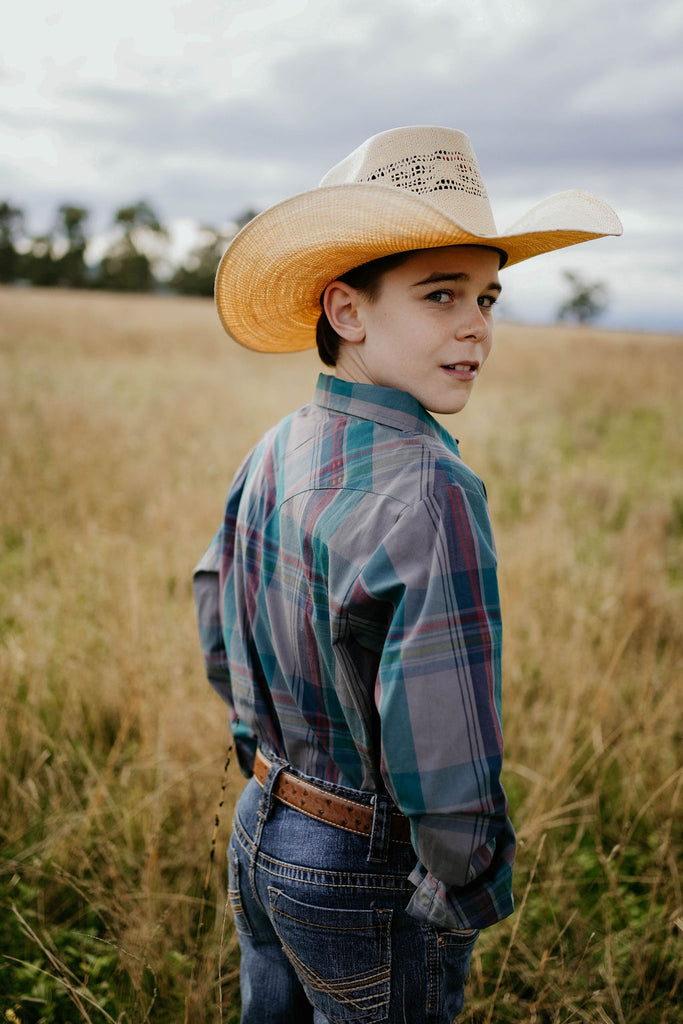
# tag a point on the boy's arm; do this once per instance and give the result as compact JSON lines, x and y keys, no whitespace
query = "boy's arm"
{"x":210,"y":577}
{"x":438,"y":698}
{"x":207,"y":597}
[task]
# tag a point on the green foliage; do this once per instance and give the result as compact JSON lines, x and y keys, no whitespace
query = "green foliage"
{"x":139,"y":215}
{"x":125,"y":270}
{"x":11,"y":223}
{"x":196,"y":276}
{"x":54,"y":259}
{"x":72,"y":271}
{"x":587,"y":300}
{"x":58,"y":258}
{"x":61,"y":975}
{"x":40,"y":264}
{"x":128,"y":264}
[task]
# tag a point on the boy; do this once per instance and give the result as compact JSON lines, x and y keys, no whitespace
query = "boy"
{"x":348,"y":606}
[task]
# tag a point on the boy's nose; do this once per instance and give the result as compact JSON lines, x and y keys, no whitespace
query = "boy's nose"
{"x":473,"y":327}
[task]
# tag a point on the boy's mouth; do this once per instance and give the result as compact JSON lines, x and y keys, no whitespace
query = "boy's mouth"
{"x":465,"y":368}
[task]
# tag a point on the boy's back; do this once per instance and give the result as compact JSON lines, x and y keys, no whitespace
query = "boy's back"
{"x":361,"y":614}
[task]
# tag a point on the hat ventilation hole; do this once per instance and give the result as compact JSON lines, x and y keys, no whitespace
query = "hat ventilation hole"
{"x":430,"y":172}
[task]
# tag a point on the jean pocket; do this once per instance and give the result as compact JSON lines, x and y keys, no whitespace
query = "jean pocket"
{"x":458,"y":938}
{"x":234,"y":893}
{"x":342,"y":957}
{"x":455,"y":952}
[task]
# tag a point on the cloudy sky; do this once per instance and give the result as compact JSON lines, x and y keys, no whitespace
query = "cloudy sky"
{"x":208,"y":107}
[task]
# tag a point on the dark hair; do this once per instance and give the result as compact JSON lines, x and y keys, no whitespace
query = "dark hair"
{"x":367,"y":279}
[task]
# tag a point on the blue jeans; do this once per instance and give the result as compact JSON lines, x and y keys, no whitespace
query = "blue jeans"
{"x":323,"y":931}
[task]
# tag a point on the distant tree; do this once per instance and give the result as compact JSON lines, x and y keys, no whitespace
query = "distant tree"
{"x":586,"y":302}
{"x":11,"y":225}
{"x":136,"y":217}
{"x":71,"y":221}
{"x":40,"y":264}
{"x":128,"y":264}
{"x":243,"y":219}
{"x":196,"y":275}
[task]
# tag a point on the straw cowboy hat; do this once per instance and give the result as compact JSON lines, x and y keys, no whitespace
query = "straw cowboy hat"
{"x":404,"y":189}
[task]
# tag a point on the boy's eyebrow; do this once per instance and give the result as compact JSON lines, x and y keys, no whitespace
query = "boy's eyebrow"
{"x":437,"y":276}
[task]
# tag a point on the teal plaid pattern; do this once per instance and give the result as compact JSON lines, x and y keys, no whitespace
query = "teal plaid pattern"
{"x":349,"y":615}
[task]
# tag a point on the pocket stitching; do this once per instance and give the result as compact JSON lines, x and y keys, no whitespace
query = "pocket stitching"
{"x":235,"y":896}
{"x":342,"y":989}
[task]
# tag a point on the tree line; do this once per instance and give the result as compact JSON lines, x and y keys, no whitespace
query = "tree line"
{"x":135,"y":259}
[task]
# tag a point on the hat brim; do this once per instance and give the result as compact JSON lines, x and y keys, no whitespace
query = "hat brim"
{"x":270,"y":279}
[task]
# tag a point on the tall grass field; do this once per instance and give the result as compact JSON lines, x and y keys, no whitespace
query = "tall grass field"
{"x":122,"y":420}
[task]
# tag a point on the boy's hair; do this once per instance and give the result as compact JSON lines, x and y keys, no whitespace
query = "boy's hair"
{"x":367,"y":279}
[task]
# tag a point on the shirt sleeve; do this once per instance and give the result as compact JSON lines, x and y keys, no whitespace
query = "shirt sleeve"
{"x":439,"y":703}
{"x":215,"y":565}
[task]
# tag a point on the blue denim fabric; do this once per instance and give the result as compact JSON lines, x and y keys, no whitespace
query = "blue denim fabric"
{"x":322,"y":926}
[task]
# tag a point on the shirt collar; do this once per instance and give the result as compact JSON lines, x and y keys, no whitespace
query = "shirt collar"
{"x":389,"y":406}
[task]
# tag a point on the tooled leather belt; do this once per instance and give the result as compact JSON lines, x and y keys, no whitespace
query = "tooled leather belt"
{"x":323,"y":805}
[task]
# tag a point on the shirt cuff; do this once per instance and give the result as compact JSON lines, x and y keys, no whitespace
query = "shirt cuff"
{"x":430,"y":903}
{"x":478,"y":904}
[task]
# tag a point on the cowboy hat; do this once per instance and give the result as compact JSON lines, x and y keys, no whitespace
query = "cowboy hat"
{"x":404,"y":189}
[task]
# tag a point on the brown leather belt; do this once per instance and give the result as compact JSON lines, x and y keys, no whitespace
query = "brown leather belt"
{"x":323,"y":805}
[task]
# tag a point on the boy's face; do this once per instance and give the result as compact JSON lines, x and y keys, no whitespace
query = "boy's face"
{"x":429,"y":330}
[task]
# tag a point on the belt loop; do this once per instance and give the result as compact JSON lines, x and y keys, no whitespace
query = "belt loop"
{"x":263,"y":813}
{"x":381,"y":829}
{"x":265,"y":806}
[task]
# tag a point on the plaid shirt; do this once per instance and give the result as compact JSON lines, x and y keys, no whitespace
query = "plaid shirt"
{"x":349,"y":615}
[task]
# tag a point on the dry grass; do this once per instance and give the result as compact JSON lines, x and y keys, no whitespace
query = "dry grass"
{"x":122,"y":420}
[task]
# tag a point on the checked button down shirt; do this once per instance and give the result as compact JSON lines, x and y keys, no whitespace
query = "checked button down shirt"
{"x":349,"y":616}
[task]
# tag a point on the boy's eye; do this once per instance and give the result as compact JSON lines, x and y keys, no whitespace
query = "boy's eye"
{"x":487,"y":301}
{"x":440,"y":297}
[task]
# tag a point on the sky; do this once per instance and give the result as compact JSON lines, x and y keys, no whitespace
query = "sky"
{"x":210,"y":107}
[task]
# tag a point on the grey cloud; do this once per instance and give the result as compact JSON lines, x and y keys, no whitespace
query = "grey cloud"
{"x":541,"y":105}
{"x":411,"y":68}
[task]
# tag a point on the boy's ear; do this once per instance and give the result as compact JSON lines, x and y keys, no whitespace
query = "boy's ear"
{"x":341,"y":305}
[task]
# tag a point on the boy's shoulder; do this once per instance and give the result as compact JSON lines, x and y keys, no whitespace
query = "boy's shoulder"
{"x":340,"y":450}
{"x":424,"y":464}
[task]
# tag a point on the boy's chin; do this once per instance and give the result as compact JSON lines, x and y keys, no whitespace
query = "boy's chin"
{"x":445,"y":408}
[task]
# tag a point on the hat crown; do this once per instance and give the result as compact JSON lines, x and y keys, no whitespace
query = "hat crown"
{"x":438,"y":164}
{"x":404,"y":189}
